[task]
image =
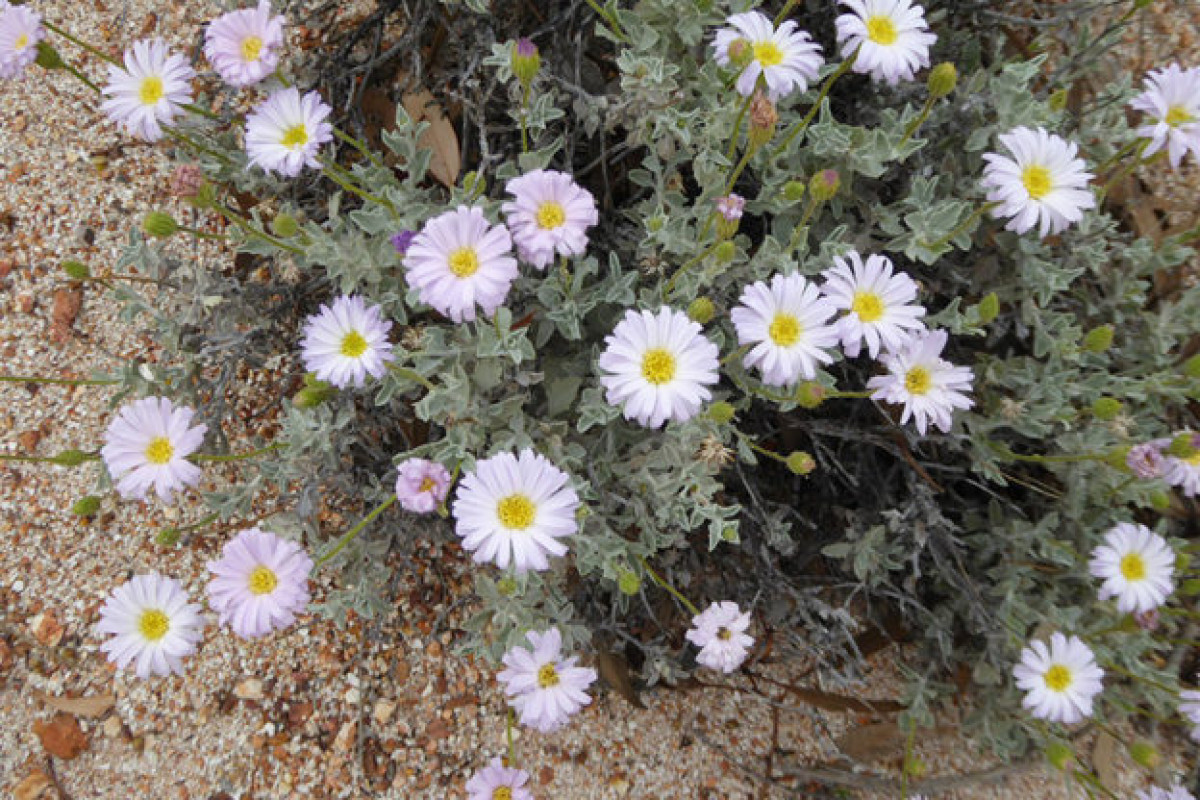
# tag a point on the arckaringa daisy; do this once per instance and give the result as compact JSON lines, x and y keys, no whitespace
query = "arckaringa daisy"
{"x":877,"y":303}
{"x":1137,"y":566}
{"x":20,"y":32}
{"x":346,"y":341}
{"x":1060,"y":681}
{"x":149,"y":91}
{"x":152,"y":624}
{"x":147,"y":445}
{"x":785,"y":58}
{"x":243,"y":45}
{"x":890,"y":37}
{"x":549,"y":215}
{"x":286,"y":131}
{"x":498,"y":782}
{"x":929,"y":387}
{"x":260,"y":583}
{"x":786,"y":323}
{"x":421,"y":485}
{"x":1043,"y":183}
{"x":720,"y":633}
{"x":1171,"y":102}
{"x":544,"y":688}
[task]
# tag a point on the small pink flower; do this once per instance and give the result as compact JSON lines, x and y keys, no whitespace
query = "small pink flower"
{"x":260,"y":583}
{"x":730,"y":207}
{"x":1146,"y":460}
{"x":486,"y":783}
{"x":421,"y":485}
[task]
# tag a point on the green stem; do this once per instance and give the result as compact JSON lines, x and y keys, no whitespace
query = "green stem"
{"x":783,"y":12}
{"x":1124,"y":172}
{"x":359,"y":146}
{"x":83,"y":78}
{"x":200,"y":523}
{"x":50,"y":26}
{"x":522,"y":113}
{"x":57,"y":381}
{"x":512,"y":746}
{"x":346,"y":181}
{"x":357,"y":529}
{"x":1112,"y":665}
{"x":741,"y":166}
{"x":860,"y":395}
{"x":412,"y":375}
{"x":758,"y":448}
{"x":962,"y":226}
{"x":178,"y":135}
{"x":610,"y":19}
{"x":691,"y":262}
{"x":663,"y":583}
{"x":564,"y":270}
{"x":919,"y":121}
{"x":240,"y":221}
{"x":201,"y":112}
{"x":802,"y":125}
{"x":48,"y":459}
{"x":737,"y":127}
{"x":809,"y":209}
{"x":238,"y":456}
{"x":1117,"y":156}
{"x":736,"y":354}
{"x":199,"y":234}
{"x":1039,"y":459}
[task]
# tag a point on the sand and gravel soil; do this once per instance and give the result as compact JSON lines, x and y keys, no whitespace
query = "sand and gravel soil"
{"x":380,"y":708}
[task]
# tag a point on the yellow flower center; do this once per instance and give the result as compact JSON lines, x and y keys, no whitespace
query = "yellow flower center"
{"x":22,"y":42}
{"x":263,"y":580}
{"x":918,"y":381}
{"x":151,"y":90}
{"x":153,"y":624}
{"x":1193,"y":459}
{"x":464,"y":262}
{"x":502,"y":793}
{"x":1037,"y":181}
{"x":159,"y":451}
{"x":295,"y":136}
{"x":551,"y":215}
{"x":1133,"y":567}
{"x":881,"y":30}
{"x":1058,"y":678}
{"x":251,"y":48}
{"x":868,"y":305}
{"x":427,"y":485}
{"x":658,"y":366}
{"x":1177,"y":115}
{"x":724,"y":634}
{"x":785,"y":330}
{"x":547,"y":676}
{"x":516,"y":511}
{"x":767,"y":53}
{"x":353,"y":345}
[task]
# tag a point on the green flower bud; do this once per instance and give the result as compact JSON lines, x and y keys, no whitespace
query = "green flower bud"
{"x":1190,"y":587}
{"x":1106,"y":408}
{"x":740,"y":53}
{"x":629,"y":583}
{"x":810,"y":395}
{"x":1117,"y":458}
{"x":655,"y":223}
{"x":1160,"y":500}
{"x":721,"y":413}
{"x":1098,"y":339}
{"x":160,"y":224}
{"x":48,"y":57}
{"x":313,"y":394}
{"x":526,"y":61}
{"x":725,"y":252}
{"x":86,"y":506}
{"x":1058,"y":100}
{"x":1059,"y":754}
{"x":285,"y":225}
{"x":1145,"y":754}
{"x":168,"y":537}
{"x":701,"y":310}
{"x":1182,"y":562}
{"x":76,"y":270}
{"x":942,"y":80}
{"x":71,"y":458}
{"x":1184,"y":446}
{"x":506,"y":586}
{"x":793,"y":192}
{"x":730,"y":533}
{"x":988,"y":308}
{"x":824,"y":185}
{"x":1191,"y":367}
{"x":915,"y":767}
{"x":800,"y":463}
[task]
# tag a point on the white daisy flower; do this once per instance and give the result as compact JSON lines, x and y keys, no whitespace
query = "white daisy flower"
{"x":1171,"y":100}
{"x":1189,"y":707}
{"x":1137,"y":566}
{"x":878,"y":304}
{"x":1182,"y":472}
{"x":658,"y":366}
{"x":541,"y":685}
{"x":720,"y":633}
{"x":151,"y":89}
{"x":259,"y":584}
{"x":286,"y":131}
{"x":152,"y":623}
{"x":460,"y":260}
{"x":498,"y":782}
{"x":1060,"y":681}
{"x":243,"y":45}
{"x":1043,"y":184}
{"x":147,"y":445}
{"x":20,"y":31}
{"x":549,"y":215}
{"x":786,"y":323}
{"x":346,"y":341}
{"x":929,"y":386}
{"x":890,"y":36}
{"x":515,"y":509}
{"x":786,"y":58}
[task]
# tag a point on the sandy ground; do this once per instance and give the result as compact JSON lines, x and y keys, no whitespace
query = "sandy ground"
{"x":381,"y":708}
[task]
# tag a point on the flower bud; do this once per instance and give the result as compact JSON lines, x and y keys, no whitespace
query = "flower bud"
{"x":1059,"y":754}
{"x":793,"y":192}
{"x":76,"y":270}
{"x":525,"y":61}
{"x":1098,"y":339}
{"x":721,"y":413}
{"x":629,"y":583}
{"x":1160,"y":500}
{"x":729,"y":214}
{"x":314,"y":393}
{"x":989,"y":308}
{"x":1182,"y":562}
{"x":655,"y":223}
{"x":1145,"y":754}
{"x":740,"y":53}
{"x":1190,"y":587}
{"x":1184,"y":446}
{"x":942,"y":80}
{"x":1058,"y":100}
{"x":915,"y":767}
{"x":1191,"y":367}
{"x":506,"y":586}
{"x":810,"y":395}
{"x":763,"y":119}
{"x":71,"y":458}
{"x":168,"y":537}
{"x":1118,"y":458}
{"x":160,"y":224}
{"x":730,"y":533}
{"x":48,"y":57}
{"x":800,"y":463}
{"x":186,"y":181}
{"x":86,"y":506}
{"x":725,"y":252}
{"x":701,"y":310}
{"x":285,"y":226}
{"x":1106,"y":408}
{"x":824,"y":185}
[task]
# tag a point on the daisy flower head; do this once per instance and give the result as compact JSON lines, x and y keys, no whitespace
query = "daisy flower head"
{"x":147,"y":445}
{"x":1189,"y":707}
{"x":549,"y":215}
{"x":1171,"y":102}
{"x":543,"y":687}
{"x":346,"y":341}
{"x":1137,"y":566}
{"x":421,"y":485}
{"x":720,"y":633}
{"x":877,"y":303}
{"x":460,"y":260}
{"x":153,"y":626}
{"x":1182,"y":470}
{"x":243,"y":45}
{"x":498,"y":782}
{"x":1042,"y":184}
{"x":890,"y":36}
{"x":259,"y":584}
{"x":1176,"y":792}
{"x":515,"y":508}
{"x":151,"y":89}
{"x":20,"y":31}
{"x":786,"y":322}
{"x":1060,"y":680}
{"x":731,"y":206}
{"x":658,"y":367}
{"x":787,"y":59}
{"x":1146,"y":460}
{"x":929,"y":386}
{"x":286,"y":131}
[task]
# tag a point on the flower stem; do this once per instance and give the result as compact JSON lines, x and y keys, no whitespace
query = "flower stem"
{"x":48,"y":459}
{"x":691,"y":262}
{"x":512,"y":746}
{"x":919,"y":121}
{"x":83,"y":78}
{"x":522,"y":113}
{"x":838,"y":393}
{"x":741,"y":166}
{"x":240,"y":221}
{"x":673,"y":591}
{"x":962,"y":226}
{"x":1112,"y":665}
{"x":412,"y":375}
{"x":357,"y":529}
{"x":199,"y":234}
{"x":359,"y":146}
{"x":346,"y":181}
{"x":57,"y":381}
{"x":50,"y":26}
{"x":783,"y":12}
{"x":737,"y":127}
{"x":239,"y":456}
{"x":610,"y":19}
{"x":1009,"y":455}
{"x":802,"y":125}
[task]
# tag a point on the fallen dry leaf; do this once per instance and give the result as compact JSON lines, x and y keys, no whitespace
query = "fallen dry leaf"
{"x":67,"y":303}
{"x":34,"y":786}
{"x":438,"y":137}
{"x":61,"y":736}
{"x":91,"y":706}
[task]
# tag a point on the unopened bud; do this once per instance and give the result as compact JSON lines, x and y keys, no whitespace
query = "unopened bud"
{"x":1098,"y":339}
{"x":1106,"y":408}
{"x":1059,"y":754}
{"x":741,"y":53}
{"x":525,"y":61}
{"x":160,"y":224}
{"x":1191,"y":367}
{"x":86,"y":506}
{"x":824,"y":185}
{"x":1190,"y":587}
{"x":168,"y":537}
{"x":793,"y":192}
{"x":721,"y":413}
{"x":942,"y":80}
{"x":1145,"y":754}
{"x":725,"y":252}
{"x":810,"y":394}
{"x":1160,"y":500}
{"x":763,"y":119}
{"x":800,"y":462}
{"x":915,"y":767}
{"x":730,"y":533}
{"x":629,"y":583}
{"x":186,"y":181}
{"x":314,"y":393}
{"x":989,"y":308}
{"x":71,"y":458}
{"x":701,"y":310}
{"x":506,"y":586}
{"x":1184,"y":446}
{"x":285,"y":225}
{"x":76,"y":270}
{"x":1182,"y":562}
{"x":48,"y":57}
{"x":1058,"y":100}
{"x":1118,"y":458}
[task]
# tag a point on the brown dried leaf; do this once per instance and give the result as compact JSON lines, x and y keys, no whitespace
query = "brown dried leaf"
{"x":438,"y":137}
{"x":1104,"y":759}
{"x":874,"y":742}
{"x":92,"y":706}
{"x":61,"y":736}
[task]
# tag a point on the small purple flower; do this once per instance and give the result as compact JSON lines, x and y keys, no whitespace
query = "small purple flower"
{"x":403,"y":240}
{"x":260,"y":583}
{"x":731,"y":207}
{"x":421,"y":485}
{"x":1146,"y":460}
{"x":1147,"y":620}
{"x":526,"y":48}
{"x":491,"y":781}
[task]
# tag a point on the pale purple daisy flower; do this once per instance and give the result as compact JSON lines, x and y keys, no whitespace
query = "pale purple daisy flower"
{"x":147,"y":445}
{"x":243,"y":45}
{"x":1137,"y":566}
{"x":20,"y":31}
{"x":878,"y":303}
{"x":402,"y":241}
{"x":152,"y":623}
{"x":421,"y":485}
{"x":1182,"y":472}
{"x":1189,"y":707}
{"x":1060,"y":681}
{"x":930,"y":387}
{"x":730,"y":207}
{"x":259,"y":584}
{"x":787,"y":59}
{"x":1176,"y":792}
{"x":458,"y":261}
{"x":720,"y":633}
{"x":891,"y":38}
{"x":1171,"y":100}
{"x":541,"y":685}
{"x":286,"y":131}
{"x":498,"y":782}
{"x":346,"y":341}
{"x":515,"y":509}
{"x":549,"y":215}
{"x":787,"y":323}
{"x":1146,"y":460}
{"x":150,"y":91}
{"x":1043,"y":184}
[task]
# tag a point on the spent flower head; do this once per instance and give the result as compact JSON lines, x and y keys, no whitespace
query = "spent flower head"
{"x":421,"y":485}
